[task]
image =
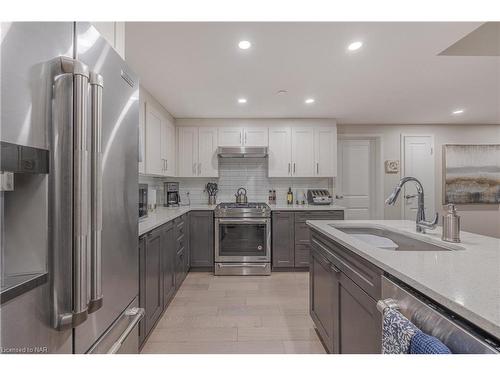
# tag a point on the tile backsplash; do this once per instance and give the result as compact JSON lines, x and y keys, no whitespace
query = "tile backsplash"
{"x":235,"y":173}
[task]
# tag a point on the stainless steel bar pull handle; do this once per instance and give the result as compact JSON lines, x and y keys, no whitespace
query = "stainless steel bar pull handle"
{"x":137,"y":313}
{"x":96,"y":298}
{"x":81,"y":198}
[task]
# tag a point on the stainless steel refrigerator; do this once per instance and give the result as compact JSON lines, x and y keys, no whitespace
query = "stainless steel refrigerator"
{"x":68,"y":192}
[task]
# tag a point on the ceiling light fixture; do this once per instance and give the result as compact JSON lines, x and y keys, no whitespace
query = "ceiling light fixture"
{"x":242,"y":100}
{"x":281,"y":92}
{"x":309,"y":101}
{"x":458,"y":112}
{"x":244,"y":44}
{"x":354,"y":46}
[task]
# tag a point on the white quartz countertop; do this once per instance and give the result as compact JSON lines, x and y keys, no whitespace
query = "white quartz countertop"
{"x":163,"y":215}
{"x":466,"y":281}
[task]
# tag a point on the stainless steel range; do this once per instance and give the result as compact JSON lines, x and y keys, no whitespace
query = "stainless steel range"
{"x":242,"y":239}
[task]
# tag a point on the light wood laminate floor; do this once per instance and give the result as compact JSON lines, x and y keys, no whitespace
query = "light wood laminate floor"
{"x":238,"y":315}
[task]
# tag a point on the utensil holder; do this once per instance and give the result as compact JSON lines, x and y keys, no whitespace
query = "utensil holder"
{"x":212,"y":199}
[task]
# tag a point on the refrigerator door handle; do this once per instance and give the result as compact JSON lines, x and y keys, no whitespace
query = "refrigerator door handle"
{"x":96,"y":297}
{"x":81,"y":198}
{"x":69,"y":186}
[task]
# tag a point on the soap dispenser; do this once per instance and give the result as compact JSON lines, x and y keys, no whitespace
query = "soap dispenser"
{"x":451,"y":225}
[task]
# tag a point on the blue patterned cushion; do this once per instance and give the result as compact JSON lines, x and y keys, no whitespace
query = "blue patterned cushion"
{"x":397,"y":332}
{"x":422,"y":343}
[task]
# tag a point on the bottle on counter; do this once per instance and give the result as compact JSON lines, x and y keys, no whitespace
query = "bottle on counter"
{"x":289,"y":196}
{"x":274,"y":196}
{"x":270,"y":197}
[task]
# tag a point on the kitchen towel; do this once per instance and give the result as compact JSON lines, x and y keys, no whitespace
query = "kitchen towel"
{"x":397,"y":332}
{"x":422,"y":343}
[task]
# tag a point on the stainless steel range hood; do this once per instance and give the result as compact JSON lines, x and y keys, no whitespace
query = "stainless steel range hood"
{"x":242,"y":152}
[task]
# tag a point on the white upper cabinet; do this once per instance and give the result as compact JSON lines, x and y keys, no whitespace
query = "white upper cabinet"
{"x":325,"y":151}
{"x":187,"y":156}
{"x":154,"y":160}
{"x":280,"y":152}
{"x":170,"y":159}
{"x":197,"y":152}
{"x":208,"y":163}
{"x":230,"y":137}
{"x":255,"y":136}
{"x":160,"y":144}
{"x":302,"y":152}
{"x":238,"y":137}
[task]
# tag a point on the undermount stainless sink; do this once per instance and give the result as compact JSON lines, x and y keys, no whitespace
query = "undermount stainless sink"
{"x":404,"y":243}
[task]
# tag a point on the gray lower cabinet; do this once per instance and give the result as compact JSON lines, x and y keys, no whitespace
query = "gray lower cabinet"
{"x":201,"y":239}
{"x":323,"y":300}
{"x":344,"y":289}
{"x":283,"y":250}
{"x":168,"y":253}
{"x":291,"y":236}
{"x":151,"y":278}
{"x":163,"y":266}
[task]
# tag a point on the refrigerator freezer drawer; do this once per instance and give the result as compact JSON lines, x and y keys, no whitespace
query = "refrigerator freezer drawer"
{"x":123,"y":335}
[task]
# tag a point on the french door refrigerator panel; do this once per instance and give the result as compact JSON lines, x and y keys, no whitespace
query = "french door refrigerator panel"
{"x":28,"y":52}
{"x":120,"y":118}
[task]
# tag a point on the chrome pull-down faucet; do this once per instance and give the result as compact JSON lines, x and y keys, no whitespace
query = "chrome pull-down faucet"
{"x":421,"y":223}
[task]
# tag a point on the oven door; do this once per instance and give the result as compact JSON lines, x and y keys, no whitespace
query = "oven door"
{"x":243,"y":240}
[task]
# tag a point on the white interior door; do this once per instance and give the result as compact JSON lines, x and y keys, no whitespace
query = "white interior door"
{"x":154,"y":132}
{"x":418,"y":161}
{"x":303,"y":164}
{"x":279,"y":153}
{"x":188,"y":152}
{"x":356,"y":178}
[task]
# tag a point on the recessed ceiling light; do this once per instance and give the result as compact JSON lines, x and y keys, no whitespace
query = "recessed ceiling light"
{"x":355,"y":46}
{"x":244,"y":44}
{"x":281,"y":92}
{"x":458,"y":112}
{"x":309,"y":101}
{"x":242,"y":100}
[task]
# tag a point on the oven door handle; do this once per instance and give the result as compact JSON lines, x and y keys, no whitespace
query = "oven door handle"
{"x":255,"y":265}
{"x":243,"y":221}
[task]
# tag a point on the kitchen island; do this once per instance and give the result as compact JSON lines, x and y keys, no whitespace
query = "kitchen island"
{"x":464,"y":279}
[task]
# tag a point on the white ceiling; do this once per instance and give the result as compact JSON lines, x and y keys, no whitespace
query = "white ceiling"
{"x":197,"y":70}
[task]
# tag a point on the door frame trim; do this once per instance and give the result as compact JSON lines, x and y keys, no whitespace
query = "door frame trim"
{"x":402,"y":168}
{"x":378,"y":140}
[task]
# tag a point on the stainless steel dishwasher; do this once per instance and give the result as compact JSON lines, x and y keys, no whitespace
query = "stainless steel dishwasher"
{"x":459,"y":336}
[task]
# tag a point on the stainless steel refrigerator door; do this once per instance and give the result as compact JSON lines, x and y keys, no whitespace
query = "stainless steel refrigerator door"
{"x":120,"y":119}
{"x":27,"y":52}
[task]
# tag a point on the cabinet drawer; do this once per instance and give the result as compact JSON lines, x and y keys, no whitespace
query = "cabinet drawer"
{"x":318,"y":215}
{"x":179,"y":226}
{"x":363,"y":273}
{"x":302,"y":253}
{"x":180,"y":242}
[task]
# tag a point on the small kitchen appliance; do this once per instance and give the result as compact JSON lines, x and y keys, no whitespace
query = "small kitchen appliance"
{"x":172,"y":196}
{"x":319,"y":196}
